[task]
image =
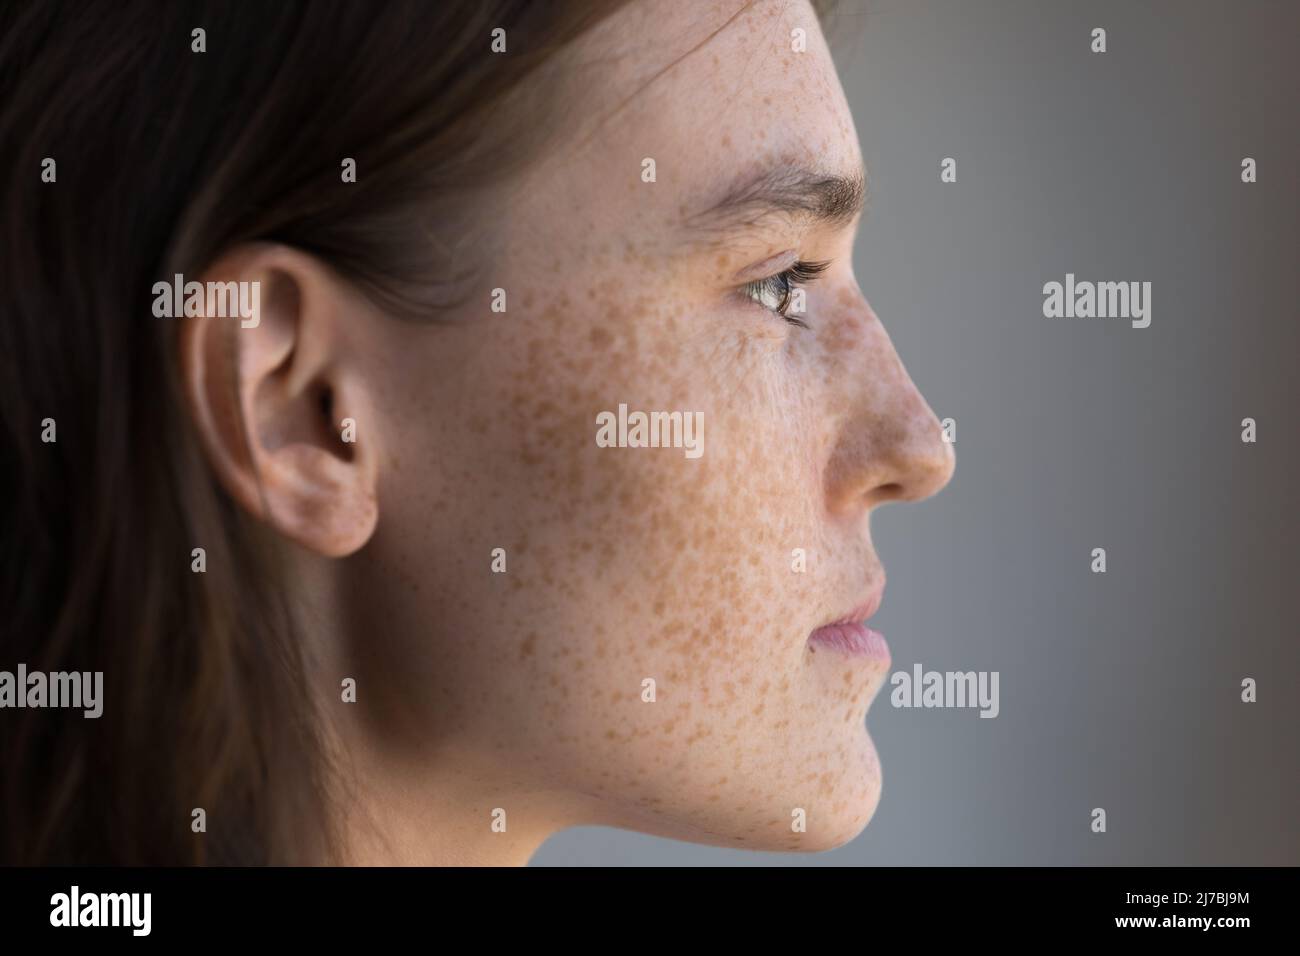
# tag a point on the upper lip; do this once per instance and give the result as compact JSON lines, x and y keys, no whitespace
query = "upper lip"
{"x":864,"y":610}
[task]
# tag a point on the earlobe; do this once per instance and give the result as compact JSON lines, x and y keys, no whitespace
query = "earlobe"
{"x":276,"y":398}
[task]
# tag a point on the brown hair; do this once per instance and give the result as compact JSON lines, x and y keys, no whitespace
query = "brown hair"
{"x":165,"y":157}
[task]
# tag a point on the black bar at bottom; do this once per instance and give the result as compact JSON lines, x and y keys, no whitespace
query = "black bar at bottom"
{"x":214,"y":906}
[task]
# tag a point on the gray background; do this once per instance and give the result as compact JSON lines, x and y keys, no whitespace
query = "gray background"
{"x":1119,"y":690}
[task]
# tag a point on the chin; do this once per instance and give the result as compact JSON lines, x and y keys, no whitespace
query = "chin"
{"x":838,"y":818}
{"x":844,"y":819}
{"x":835,"y":815}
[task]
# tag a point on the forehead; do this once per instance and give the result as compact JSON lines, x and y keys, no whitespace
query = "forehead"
{"x":711,"y":91}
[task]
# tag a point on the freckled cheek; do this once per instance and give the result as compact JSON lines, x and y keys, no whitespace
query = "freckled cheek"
{"x":709,"y":544}
{"x":675,"y":557}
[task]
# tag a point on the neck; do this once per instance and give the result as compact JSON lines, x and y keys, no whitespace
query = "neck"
{"x":444,"y":812}
{"x":401,"y":795}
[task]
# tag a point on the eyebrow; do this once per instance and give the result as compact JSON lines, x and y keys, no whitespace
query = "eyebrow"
{"x":784,"y":191}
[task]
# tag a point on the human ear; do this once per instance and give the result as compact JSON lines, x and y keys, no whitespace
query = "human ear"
{"x":278,"y":397}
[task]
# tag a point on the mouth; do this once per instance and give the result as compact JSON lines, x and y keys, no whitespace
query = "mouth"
{"x":850,"y":635}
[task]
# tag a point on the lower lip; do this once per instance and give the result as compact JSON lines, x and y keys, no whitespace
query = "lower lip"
{"x":855,"y":640}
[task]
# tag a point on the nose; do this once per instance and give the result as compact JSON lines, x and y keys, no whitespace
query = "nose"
{"x":890,"y":445}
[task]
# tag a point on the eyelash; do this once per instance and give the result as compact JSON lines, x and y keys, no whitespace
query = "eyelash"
{"x":782,"y":284}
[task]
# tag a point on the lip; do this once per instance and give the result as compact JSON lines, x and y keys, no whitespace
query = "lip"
{"x":849,"y":634}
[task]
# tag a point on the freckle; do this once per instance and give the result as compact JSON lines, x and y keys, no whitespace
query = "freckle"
{"x":526,"y":648}
{"x":726,"y":140}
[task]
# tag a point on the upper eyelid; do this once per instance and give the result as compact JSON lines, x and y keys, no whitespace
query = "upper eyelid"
{"x":810,"y":268}
{"x":801,"y":270}
{"x":766,"y":267}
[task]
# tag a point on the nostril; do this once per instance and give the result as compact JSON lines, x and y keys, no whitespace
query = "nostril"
{"x":888,"y":492}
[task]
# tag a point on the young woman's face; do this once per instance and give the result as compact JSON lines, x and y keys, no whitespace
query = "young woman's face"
{"x":629,"y":565}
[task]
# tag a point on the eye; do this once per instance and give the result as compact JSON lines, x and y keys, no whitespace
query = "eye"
{"x":773,"y":293}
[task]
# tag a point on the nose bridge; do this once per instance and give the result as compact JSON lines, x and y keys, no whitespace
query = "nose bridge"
{"x":891,"y":445}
